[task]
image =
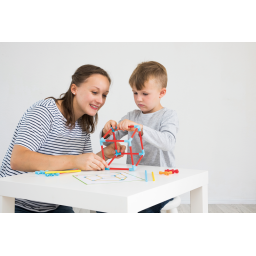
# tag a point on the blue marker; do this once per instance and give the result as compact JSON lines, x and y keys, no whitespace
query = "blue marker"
{"x":146,"y":176}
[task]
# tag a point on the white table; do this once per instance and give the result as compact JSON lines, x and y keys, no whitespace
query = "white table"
{"x":114,"y":197}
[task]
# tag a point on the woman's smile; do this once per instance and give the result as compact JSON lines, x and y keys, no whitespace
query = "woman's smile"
{"x":94,"y":107}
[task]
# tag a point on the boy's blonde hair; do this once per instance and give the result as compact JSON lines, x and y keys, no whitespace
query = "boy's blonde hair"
{"x":146,"y":70}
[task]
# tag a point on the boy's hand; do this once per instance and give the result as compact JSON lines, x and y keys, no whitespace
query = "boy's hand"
{"x":124,"y":126}
{"x":109,"y":151}
{"x":108,"y":125}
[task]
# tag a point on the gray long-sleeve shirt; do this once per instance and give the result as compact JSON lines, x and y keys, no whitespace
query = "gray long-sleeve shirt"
{"x":159,"y":137}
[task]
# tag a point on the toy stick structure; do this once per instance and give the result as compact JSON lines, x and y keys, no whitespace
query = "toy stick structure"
{"x":107,"y":133}
{"x":139,"y":161}
{"x":130,"y":153}
{"x":134,"y":132}
{"x":112,"y":160}
{"x":114,"y":136}
{"x":102,"y":153}
{"x":114,"y":140}
{"x":141,"y":141}
{"x":102,"y":140}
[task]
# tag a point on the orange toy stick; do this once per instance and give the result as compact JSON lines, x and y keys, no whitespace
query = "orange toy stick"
{"x":165,"y":173}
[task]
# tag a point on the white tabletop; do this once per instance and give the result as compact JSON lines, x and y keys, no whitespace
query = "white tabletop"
{"x":112,"y":197}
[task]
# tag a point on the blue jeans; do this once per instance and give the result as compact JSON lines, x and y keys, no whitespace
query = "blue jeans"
{"x":156,"y":208}
{"x":60,"y":209}
{"x":153,"y":209}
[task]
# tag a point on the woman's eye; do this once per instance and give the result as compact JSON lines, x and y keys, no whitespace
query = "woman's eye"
{"x":105,"y":96}
{"x":94,"y":92}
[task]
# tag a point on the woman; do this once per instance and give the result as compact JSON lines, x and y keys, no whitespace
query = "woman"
{"x":54,"y":134}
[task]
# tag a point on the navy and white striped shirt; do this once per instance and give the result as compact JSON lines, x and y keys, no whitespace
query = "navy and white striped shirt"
{"x":43,"y":129}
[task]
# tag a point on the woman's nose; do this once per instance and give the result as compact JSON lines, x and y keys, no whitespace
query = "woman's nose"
{"x":99,"y":99}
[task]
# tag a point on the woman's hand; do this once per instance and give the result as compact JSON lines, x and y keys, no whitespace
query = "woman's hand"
{"x":124,"y":126}
{"x":90,"y":162}
{"x":108,"y":125}
{"x":110,"y":152}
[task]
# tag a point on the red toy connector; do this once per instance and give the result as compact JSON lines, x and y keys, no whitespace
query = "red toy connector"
{"x":169,"y":171}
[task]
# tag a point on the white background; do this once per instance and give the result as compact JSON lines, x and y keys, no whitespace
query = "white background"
{"x":212,"y":86}
{"x":143,"y":21}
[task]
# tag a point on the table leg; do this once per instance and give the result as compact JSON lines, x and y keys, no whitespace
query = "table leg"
{"x":7,"y":204}
{"x":199,"y":200}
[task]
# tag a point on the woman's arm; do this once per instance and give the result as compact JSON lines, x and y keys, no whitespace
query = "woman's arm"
{"x":23,"y":159}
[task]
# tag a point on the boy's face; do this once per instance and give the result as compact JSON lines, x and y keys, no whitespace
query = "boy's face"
{"x":148,"y":99}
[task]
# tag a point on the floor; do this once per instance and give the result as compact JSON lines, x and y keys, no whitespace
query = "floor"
{"x":223,"y":208}
{"x":212,"y":208}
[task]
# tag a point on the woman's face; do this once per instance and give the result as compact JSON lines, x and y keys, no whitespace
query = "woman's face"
{"x":90,"y":96}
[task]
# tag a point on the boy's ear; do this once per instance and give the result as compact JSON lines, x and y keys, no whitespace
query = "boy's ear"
{"x":162,"y":92}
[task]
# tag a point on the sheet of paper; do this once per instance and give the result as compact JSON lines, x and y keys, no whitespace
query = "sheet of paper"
{"x":105,"y":178}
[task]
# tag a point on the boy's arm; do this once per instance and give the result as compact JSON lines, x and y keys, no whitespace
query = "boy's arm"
{"x":164,"y":139}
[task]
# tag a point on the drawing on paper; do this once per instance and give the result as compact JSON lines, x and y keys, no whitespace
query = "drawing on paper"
{"x":105,"y":178}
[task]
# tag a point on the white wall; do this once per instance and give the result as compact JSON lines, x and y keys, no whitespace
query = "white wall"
{"x":212,"y":86}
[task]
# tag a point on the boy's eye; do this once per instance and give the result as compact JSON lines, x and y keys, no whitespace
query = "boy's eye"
{"x":94,"y":92}
{"x":145,"y":94}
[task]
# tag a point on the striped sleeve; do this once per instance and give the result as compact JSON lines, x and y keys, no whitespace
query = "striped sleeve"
{"x":87,"y":145}
{"x":34,"y":128}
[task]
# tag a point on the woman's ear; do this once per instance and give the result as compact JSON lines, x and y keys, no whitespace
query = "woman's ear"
{"x":162,"y":92}
{"x":73,"y":89}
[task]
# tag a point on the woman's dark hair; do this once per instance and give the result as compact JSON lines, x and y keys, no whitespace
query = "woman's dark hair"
{"x":88,"y":123}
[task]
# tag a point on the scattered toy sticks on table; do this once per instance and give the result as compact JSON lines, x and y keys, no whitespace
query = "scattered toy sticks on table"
{"x":46,"y":174}
{"x":55,"y":173}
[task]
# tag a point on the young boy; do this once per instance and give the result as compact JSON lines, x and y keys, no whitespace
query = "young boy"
{"x":158,"y":124}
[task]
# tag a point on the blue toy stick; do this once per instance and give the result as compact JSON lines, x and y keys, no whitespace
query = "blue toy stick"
{"x":146,"y":176}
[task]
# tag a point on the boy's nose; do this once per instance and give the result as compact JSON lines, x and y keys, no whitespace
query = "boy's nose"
{"x":139,"y":98}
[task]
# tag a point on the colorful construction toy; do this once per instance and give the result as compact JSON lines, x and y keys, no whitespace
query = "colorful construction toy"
{"x":130,"y":146}
{"x":168,"y":172}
